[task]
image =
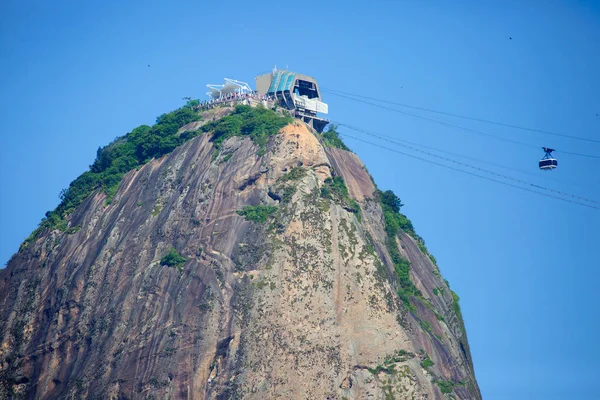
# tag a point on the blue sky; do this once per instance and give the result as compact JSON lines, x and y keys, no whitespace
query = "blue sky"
{"x":74,"y":76}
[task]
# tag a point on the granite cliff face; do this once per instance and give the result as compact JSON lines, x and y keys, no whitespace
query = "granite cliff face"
{"x":299,"y":302}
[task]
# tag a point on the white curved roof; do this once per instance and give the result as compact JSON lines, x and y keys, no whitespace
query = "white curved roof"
{"x":230,"y":86}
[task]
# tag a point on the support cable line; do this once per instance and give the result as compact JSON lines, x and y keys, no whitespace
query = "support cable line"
{"x":579,"y":154}
{"x":462,"y":127}
{"x":578,"y":199}
{"x":487,"y":121}
{"x":441,"y":122}
{"x":470,"y":173}
{"x":537,"y":175}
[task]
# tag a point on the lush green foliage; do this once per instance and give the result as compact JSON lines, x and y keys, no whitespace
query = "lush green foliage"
{"x":227,"y":157}
{"x":432,"y":258}
{"x":426,"y":326}
{"x":394,"y":221}
{"x":258,"y":213}
{"x":173,"y":259}
{"x":113,"y":161}
{"x":426,"y":363}
{"x":456,"y":308}
{"x":74,"y":229}
{"x":145,"y":142}
{"x":335,"y":188}
{"x":288,"y":192}
{"x":399,"y":356}
{"x":256,"y":122}
{"x":293,"y":175}
{"x":331,"y":138}
{"x":390,"y":201}
{"x":445,"y":386}
{"x":391,"y":206}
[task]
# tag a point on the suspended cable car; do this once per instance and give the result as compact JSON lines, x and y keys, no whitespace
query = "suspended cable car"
{"x":548,"y":163}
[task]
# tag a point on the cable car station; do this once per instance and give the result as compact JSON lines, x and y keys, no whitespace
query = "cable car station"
{"x":295,"y":92}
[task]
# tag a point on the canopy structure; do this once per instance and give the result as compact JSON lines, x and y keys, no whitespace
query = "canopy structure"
{"x":230,"y":86}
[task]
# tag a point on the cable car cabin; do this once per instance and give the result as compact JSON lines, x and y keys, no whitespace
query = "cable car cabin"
{"x":548,"y":164}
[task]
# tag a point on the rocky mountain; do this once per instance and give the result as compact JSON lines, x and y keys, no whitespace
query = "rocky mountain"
{"x":239,"y":256}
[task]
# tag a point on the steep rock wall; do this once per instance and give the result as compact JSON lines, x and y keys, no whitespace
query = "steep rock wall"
{"x":303,"y":306}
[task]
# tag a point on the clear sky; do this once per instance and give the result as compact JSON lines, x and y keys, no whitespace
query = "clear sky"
{"x":74,"y":75}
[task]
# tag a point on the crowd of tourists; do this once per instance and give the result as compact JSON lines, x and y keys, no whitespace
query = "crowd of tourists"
{"x":234,"y":98}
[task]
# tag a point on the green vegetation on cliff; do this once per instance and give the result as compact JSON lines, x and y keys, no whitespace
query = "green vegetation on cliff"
{"x":395,"y":221}
{"x":456,"y":309}
{"x":113,"y":161}
{"x":146,"y":142}
{"x":427,"y":363}
{"x":173,"y":259}
{"x":331,"y":138}
{"x":335,"y":188}
{"x":447,"y":386}
{"x":258,"y":213}
{"x":258,"y":123}
{"x":293,"y":175}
